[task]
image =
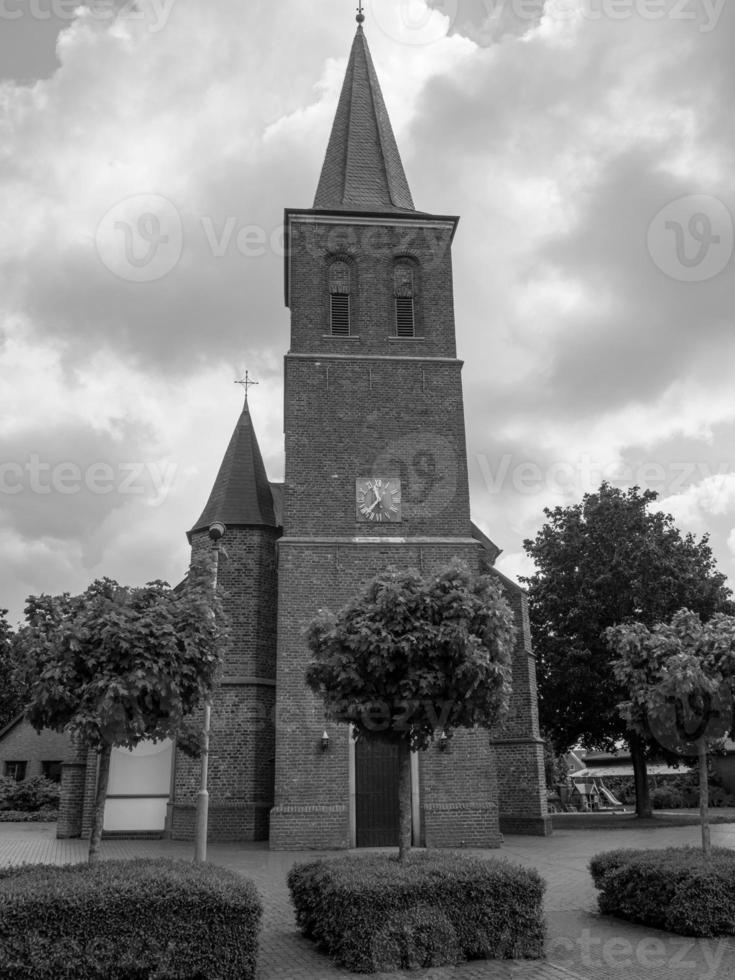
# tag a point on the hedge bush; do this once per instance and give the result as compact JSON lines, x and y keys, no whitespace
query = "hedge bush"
{"x":673,"y":889}
{"x":667,"y":798}
{"x":127,"y":920}
{"x":23,"y":816}
{"x":33,"y":793}
{"x":374,"y":914}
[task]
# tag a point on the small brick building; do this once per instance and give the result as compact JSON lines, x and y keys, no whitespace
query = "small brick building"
{"x":375,"y":475}
{"x":25,"y":753}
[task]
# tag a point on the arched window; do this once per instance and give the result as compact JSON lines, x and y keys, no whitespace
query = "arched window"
{"x":403,"y":290}
{"x":339,"y":299}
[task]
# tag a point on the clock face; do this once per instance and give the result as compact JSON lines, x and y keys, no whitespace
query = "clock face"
{"x":378,"y":499}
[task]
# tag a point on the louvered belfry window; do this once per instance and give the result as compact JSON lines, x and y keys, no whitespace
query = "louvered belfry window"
{"x":403,"y":291}
{"x":339,"y":299}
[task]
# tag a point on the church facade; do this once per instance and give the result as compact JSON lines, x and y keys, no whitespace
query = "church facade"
{"x":375,"y":476}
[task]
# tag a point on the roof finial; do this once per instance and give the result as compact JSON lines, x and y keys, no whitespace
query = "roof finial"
{"x":360,"y":15}
{"x":246,"y":383}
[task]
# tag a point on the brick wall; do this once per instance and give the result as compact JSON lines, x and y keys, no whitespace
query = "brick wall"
{"x":459,"y":793}
{"x":347,"y":419}
{"x":241,"y":764}
{"x":73,"y":786}
{"x":458,"y":788}
{"x":247,"y":574}
{"x":371,"y":249}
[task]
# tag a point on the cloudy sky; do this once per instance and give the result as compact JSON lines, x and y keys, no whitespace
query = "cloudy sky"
{"x":147,"y":152}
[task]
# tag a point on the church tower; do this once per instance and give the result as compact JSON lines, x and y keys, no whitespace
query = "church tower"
{"x":376,"y":475}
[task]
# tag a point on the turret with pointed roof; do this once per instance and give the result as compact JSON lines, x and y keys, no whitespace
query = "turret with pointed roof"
{"x":241,"y":495}
{"x":240,"y":778}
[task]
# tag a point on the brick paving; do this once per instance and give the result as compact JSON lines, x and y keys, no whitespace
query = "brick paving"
{"x":581,"y":944}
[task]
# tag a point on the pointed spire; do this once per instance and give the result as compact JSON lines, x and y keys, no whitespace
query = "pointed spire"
{"x":241,"y":495}
{"x":362,"y":169}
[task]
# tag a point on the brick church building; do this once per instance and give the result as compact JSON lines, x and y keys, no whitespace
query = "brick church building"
{"x":375,"y":475}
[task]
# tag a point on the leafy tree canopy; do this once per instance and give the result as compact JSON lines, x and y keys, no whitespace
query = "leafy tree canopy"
{"x":117,"y":665}
{"x":605,"y":561}
{"x":409,"y":656}
{"x":679,"y":679}
{"x":12,"y":691}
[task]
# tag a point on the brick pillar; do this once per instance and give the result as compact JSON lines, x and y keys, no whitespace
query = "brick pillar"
{"x":90,"y":791}
{"x":71,"y":802}
{"x":519,"y":749}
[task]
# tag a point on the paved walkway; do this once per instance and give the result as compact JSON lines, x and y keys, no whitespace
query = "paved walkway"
{"x":581,"y":944}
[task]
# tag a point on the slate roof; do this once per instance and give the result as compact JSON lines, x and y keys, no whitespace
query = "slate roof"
{"x":241,"y":495}
{"x":362,"y":169}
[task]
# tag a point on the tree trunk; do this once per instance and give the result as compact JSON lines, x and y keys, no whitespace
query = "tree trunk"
{"x":704,"y":796}
{"x":640,"y":775}
{"x":404,"y":800}
{"x":98,"y":810}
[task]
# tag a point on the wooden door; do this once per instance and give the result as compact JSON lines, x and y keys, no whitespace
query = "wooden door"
{"x":376,"y":794}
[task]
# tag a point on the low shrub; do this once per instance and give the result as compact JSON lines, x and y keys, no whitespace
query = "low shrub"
{"x":667,"y":798}
{"x":33,"y":793}
{"x":373,"y":913}
{"x":7,"y":786}
{"x":126,"y":920}
{"x":23,"y":816}
{"x":674,"y":889}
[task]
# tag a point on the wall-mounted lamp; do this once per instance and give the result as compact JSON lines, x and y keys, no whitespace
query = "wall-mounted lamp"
{"x":443,"y":742}
{"x":325,"y":741}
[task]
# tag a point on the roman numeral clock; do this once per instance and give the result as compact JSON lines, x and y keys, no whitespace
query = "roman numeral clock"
{"x":378,"y":499}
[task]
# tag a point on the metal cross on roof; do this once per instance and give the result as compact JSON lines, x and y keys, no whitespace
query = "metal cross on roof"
{"x":247,"y":384}
{"x":360,"y":14}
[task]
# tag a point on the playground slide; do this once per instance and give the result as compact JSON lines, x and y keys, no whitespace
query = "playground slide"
{"x":608,"y":796}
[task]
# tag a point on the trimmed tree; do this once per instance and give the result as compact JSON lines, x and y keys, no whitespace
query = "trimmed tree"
{"x":116,"y":666}
{"x":679,"y":679}
{"x":606,"y":561}
{"x":409,"y":657}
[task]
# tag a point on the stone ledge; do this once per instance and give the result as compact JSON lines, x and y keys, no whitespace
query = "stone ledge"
{"x":297,"y":808}
{"x":460,"y":807}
